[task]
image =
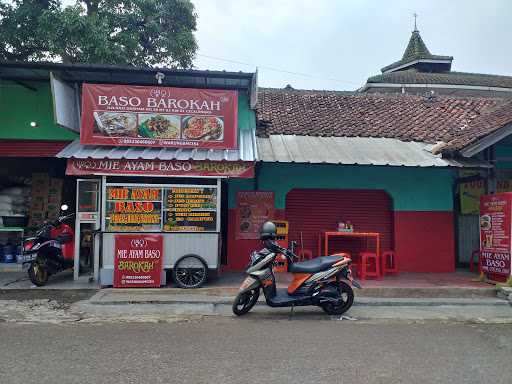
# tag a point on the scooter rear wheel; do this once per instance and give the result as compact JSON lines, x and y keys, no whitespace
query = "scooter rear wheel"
{"x":38,"y":274}
{"x":347,"y":299}
{"x":244,"y":301}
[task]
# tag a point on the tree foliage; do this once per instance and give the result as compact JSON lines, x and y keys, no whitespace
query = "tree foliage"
{"x":119,"y":32}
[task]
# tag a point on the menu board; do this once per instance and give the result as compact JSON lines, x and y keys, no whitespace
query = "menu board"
{"x":253,"y":209}
{"x":133,"y":208}
{"x":167,"y":208}
{"x":495,"y":233}
{"x":190,"y":209}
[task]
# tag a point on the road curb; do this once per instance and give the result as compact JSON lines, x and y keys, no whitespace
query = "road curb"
{"x":375,"y":302}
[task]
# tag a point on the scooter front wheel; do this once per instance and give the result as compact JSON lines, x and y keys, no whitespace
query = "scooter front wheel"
{"x":345,"y":297}
{"x":38,"y":274}
{"x":244,"y":301}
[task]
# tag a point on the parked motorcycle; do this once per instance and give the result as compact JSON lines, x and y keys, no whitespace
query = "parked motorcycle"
{"x":324,"y":281}
{"x":51,"y":250}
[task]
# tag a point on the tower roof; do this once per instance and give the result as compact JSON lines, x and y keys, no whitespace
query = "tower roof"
{"x":417,"y":55}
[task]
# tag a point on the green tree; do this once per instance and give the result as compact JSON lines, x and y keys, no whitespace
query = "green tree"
{"x":119,"y":32}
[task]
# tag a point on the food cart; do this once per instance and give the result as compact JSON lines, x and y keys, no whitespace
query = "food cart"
{"x":150,"y":186}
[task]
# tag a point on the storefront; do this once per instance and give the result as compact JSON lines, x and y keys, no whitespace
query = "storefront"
{"x":155,"y":200}
{"x":183,"y":213}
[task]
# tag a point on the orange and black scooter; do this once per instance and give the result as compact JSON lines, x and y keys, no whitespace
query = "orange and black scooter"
{"x":324,"y":281}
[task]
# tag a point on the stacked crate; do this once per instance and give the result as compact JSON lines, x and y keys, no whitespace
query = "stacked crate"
{"x":281,"y":264}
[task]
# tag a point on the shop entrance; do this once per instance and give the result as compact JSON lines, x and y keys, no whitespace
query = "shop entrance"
{"x":311,"y":211}
{"x":87,"y":247}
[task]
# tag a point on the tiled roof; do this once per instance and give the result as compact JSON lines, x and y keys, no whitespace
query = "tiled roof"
{"x":403,"y":117}
{"x":492,"y":120}
{"x":416,"y":50}
{"x":412,"y":76}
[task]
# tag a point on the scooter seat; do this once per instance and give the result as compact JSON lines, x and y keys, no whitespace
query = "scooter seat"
{"x":314,"y":265}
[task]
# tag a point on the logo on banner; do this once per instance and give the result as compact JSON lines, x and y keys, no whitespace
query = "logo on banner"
{"x":139,"y":243}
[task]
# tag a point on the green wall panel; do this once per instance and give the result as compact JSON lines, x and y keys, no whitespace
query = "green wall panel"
{"x":20,"y":105}
{"x":411,"y":189}
{"x":504,"y":149}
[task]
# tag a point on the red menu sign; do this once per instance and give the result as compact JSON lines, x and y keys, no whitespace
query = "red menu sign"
{"x":253,"y":209}
{"x":82,"y":167}
{"x":127,"y":115}
{"x":137,"y":261}
{"x":495,"y":233}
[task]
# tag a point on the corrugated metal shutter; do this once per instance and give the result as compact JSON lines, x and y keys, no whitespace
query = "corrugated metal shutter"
{"x":31,"y":148}
{"x":311,"y":211}
{"x":468,"y":236}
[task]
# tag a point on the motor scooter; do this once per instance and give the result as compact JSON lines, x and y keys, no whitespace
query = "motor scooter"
{"x":324,"y":281}
{"x":51,"y":250}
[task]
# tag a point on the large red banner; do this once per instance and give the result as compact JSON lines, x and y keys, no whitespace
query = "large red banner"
{"x":127,"y":115}
{"x":495,"y":233}
{"x":138,"y":260}
{"x":253,"y":209}
{"x":83,"y":167}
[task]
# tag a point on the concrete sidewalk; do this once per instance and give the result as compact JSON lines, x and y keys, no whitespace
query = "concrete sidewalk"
{"x":142,"y":307}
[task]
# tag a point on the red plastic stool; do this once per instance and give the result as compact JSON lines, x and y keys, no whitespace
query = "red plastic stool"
{"x":472,"y":261}
{"x":369,"y":259}
{"x":389,"y":264}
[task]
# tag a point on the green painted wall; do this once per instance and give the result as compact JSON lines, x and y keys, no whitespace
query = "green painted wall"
{"x":504,"y":149}
{"x":20,"y":105}
{"x":246,"y":116}
{"x":412,"y":189}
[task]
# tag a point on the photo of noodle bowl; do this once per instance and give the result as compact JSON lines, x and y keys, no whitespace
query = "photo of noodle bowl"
{"x":115,"y":123}
{"x":206,"y":128}
{"x":158,"y":126}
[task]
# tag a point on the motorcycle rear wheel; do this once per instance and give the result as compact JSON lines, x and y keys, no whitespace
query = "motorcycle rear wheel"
{"x":38,"y":274}
{"x":347,"y":297}
{"x":244,"y":301}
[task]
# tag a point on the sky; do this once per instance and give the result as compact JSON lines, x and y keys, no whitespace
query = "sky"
{"x":338,"y":44}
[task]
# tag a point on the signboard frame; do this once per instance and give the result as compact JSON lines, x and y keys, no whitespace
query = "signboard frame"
{"x":216,"y":186}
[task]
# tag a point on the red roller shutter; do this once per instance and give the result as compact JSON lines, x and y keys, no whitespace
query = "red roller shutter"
{"x":31,"y":148}
{"x":311,"y":211}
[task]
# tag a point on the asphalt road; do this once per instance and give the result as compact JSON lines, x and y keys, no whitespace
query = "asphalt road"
{"x":225,"y":350}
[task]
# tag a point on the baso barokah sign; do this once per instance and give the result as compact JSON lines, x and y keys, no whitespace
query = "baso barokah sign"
{"x":124,"y":115}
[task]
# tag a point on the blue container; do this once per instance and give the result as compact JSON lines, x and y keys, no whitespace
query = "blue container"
{"x":9,"y":252}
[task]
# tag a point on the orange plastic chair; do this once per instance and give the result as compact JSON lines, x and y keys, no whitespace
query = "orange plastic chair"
{"x":389,"y":264}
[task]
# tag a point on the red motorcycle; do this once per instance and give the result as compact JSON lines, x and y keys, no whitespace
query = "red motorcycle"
{"x":51,"y":250}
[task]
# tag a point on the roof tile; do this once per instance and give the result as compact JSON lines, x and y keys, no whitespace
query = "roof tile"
{"x":404,"y":117}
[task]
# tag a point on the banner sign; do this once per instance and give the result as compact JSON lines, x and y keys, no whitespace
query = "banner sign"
{"x":138,"y":261}
{"x":495,"y":233}
{"x":133,"y":209}
{"x":471,"y":192}
{"x":127,"y":115}
{"x":83,"y":167}
{"x":253,"y":209}
{"x":170,"y":208}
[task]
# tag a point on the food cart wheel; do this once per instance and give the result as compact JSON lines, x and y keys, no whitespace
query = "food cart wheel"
{"x":190,"y":271}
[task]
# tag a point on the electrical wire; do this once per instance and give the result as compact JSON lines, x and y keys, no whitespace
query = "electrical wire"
{"x":274,"y":69}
